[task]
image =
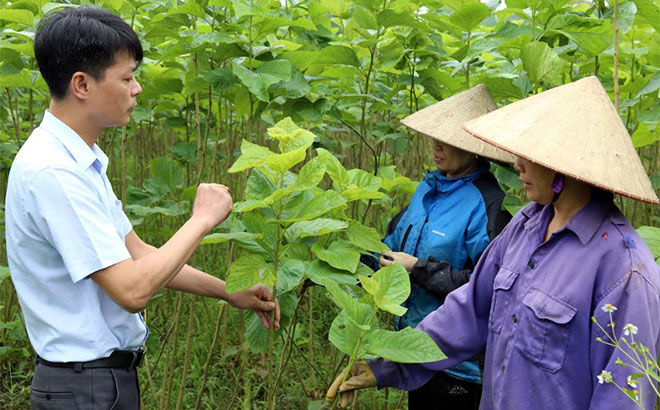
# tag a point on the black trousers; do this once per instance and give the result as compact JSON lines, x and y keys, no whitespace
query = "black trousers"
{"x":55,"y":388}
{"x":444,"y":392}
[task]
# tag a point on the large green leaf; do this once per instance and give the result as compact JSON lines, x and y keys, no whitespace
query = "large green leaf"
{"x":365,"y":237}
{"x":651,"y":86}
{"x":229,"y":236}
{"x":626,"y":16}
{"x":20,"y":80}
{"x":255,"y":333}
{"x":319,"y":205}
{"x":405,"y":346}
{"x":359,"y":312}
{"x":321,"y":273}
{"x":391,"y":18}
{"x":24,"y":17}
{"x":593,"y":36}
{"x":315,"y":227}
{"x":393,"y":288}
{"x":542,"y":63}
{"x":290,"y":272}
{"x":310,"y":175}
{"x":470,"y":14}
{"x":167,"y":172}
{"x":345,"y":335}
{"x":335,"y":169}
{"x":268,"y":74}
{"x":247,"y":271}
{"x":643,"y":136}
{"x":290,"y":136}
{"x":650,"y":11}
{"x":340,"y":255}
{"x":258,"y":186}
{"x":284,"y":162}
{"x":337,"y":55}
{"x":253,"y":155}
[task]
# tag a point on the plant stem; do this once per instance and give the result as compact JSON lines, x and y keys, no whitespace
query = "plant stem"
{"x":186,"y":361}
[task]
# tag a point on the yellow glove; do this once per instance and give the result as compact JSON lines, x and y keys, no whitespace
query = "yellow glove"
{"x":361,"y":377}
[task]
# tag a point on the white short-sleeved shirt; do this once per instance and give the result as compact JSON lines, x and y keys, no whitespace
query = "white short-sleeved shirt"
{"x":63,"y":223}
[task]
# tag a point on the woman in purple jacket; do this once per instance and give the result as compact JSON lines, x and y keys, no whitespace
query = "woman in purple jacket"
{"x":567,"y":257}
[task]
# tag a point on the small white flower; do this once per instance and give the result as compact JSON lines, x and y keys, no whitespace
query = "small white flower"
{"x":632,"y":383}
{"x":609,"y":308}
{"x":604,"y":377}
{"x":630,"y":329}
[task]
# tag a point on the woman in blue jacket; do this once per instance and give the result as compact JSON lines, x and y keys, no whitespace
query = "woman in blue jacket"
{"x":453,"y":215}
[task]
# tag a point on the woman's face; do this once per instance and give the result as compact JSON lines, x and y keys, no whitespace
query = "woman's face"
{"x":453,"y":161}
{"x":537,"y":181}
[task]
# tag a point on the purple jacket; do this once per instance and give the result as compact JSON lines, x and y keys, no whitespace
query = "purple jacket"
{"x":531,"y":304}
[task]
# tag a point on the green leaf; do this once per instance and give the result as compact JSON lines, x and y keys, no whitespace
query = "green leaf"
{"x":340,"y":255}
{"x":469,"y":15}
{"x":167,"y":172}
{"x":364,"y":18}
{"x":255,"y":333}
{"x":229,"y":236}
{"x":335,"y":7}
{"x":405,"y":346}
{"x":643,"y":136}
{"x":4,"y":273}
{"x":247,"y":271}
{"x":337,"y":55}
{"x":320,"y":205}
{"x":290,"y":136}
{"x":359,"y":312}
{"x":390,"y":18}
{"x":393,"y":288}
{"x":593,"y":36}
{"x":626,"y":16}
{"x":258,"y":186}
{"x":365,"y":237}
{"x":290,"y":272}
{"x":265,"y":76}
{"x":345,"y":335}
{"x":542,"y":63}
{"x":651,"y":86}
{"x":353,"y":193}
{"x":334,"y":168}
{"x":21,"y":80}
{"x":650,"y":11}
{"x":316,"y":227}
{"x":322,"y":274}
{"x":651,"y":235}
{"x":24,"y":17}
{"x":169,"y":210}
{"x":369,"y":284}
{"x":253,"y":155}
{"x":284,"y":162}
{"x":310,"y":175}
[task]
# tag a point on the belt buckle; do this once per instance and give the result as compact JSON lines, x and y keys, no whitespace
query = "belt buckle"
{"x":138,"y":356}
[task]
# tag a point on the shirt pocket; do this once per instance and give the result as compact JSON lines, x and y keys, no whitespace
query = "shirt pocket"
{"x":545,"y":327}
{"x":502,"y":295}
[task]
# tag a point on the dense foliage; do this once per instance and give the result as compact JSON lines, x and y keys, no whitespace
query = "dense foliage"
{"x":218,"y":73}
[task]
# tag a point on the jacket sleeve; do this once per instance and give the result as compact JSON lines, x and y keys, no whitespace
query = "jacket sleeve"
{"x":440,"y":277}
{"x":468,"y":306}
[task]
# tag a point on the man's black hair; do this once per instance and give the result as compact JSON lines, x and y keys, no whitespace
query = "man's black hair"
{"x":83,"y":39}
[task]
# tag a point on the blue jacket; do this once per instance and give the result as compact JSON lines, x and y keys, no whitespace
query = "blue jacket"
{"x":447,"y":225}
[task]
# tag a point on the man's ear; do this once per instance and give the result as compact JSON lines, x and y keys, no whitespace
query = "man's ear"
{"x":80,"y":85}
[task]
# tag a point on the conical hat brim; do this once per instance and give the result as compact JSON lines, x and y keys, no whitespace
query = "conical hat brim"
{"x":443,"y":121}
{"x":573,"y":129}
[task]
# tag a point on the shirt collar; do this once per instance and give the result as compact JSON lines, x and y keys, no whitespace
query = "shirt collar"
{"x":74,"y":143}
{"x":583,"y":224}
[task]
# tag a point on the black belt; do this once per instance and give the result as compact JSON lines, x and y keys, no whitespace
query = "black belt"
{"x":119,"y":359}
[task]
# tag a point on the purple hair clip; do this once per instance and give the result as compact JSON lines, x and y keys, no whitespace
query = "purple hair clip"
{"x":558,"y":183}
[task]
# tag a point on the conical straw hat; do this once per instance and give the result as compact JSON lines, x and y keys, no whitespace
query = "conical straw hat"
{"x":573,"y":129}
{"x":443,"y":121}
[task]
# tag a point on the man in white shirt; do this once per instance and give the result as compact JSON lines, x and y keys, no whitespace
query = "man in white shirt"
{"x":81,"y":272}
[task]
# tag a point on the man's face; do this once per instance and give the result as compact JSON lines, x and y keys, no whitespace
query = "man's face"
{"x":114,"y":96}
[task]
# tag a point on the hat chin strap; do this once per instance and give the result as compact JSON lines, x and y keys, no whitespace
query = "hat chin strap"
{"x":557,"y":186}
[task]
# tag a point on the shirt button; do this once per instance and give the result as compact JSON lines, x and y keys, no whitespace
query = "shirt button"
{"x":530,"y":264}
{"x":514,"y":318}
